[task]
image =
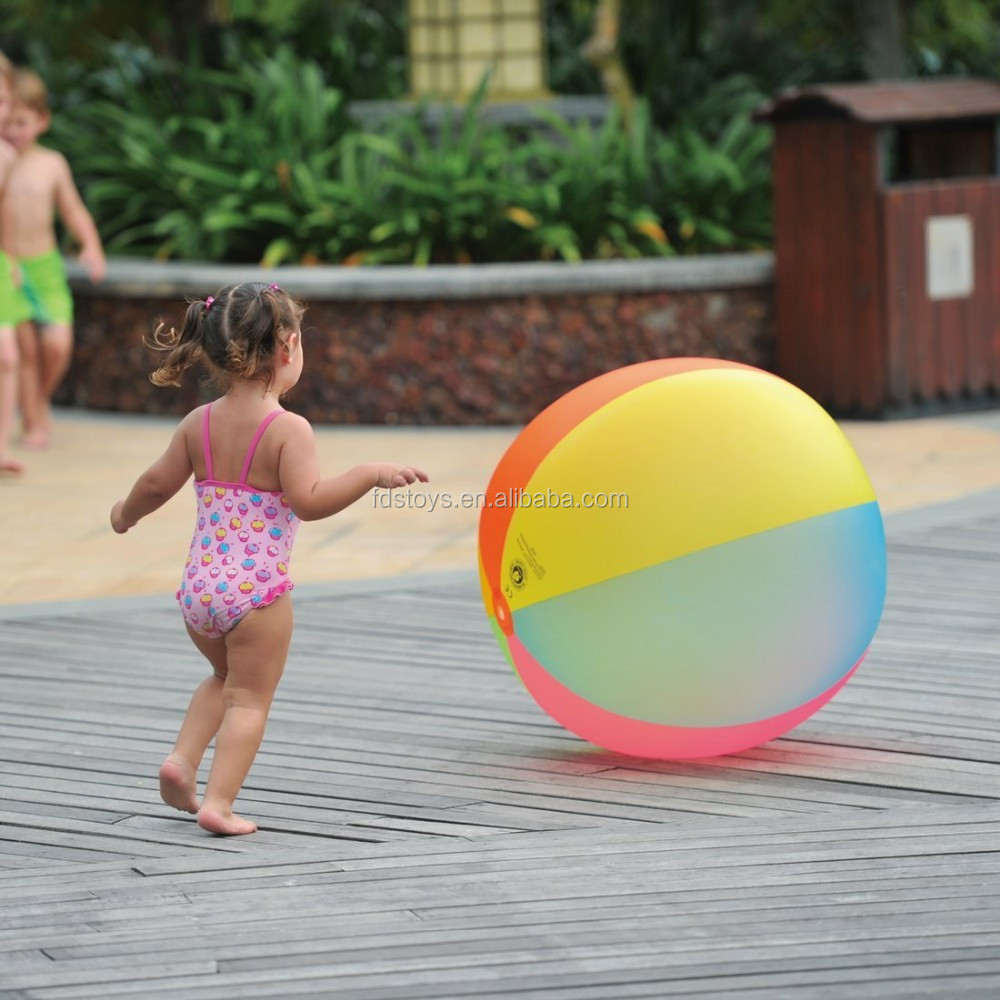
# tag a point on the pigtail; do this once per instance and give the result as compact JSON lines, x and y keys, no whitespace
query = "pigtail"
{"x":278,"y":321}
{"x":237,"y":332}
{"x":182,"y":349}
{"x":240,"y":363}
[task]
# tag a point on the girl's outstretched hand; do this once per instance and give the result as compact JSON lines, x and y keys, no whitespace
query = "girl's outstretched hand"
{"x":391,"y":476}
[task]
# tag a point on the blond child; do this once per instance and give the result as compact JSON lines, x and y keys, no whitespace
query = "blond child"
{"x":256,"y":474}
{"x":40,"y":187}
{"x":11,"y":307}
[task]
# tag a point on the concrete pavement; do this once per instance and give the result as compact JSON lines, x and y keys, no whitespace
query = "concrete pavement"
{"x":59,"y":545}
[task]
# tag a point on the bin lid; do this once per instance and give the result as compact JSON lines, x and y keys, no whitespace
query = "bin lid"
{"x":887,"y":101}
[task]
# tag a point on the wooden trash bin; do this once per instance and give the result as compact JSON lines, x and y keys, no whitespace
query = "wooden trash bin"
{"x":887,"y":244}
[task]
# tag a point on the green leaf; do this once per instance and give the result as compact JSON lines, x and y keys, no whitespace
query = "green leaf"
{"x":277,"y":252}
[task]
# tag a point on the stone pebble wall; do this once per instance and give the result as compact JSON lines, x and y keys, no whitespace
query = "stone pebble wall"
{"x":448,"y":362}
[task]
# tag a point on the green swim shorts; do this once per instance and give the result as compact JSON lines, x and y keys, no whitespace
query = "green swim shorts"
{"x":13,"y":308}
{"x":44,"y":289}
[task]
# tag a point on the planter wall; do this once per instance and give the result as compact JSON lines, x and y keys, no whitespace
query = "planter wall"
{"x":487,"y":344}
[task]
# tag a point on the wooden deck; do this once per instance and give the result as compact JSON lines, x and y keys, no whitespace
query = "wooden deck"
{"x":426,"y":832}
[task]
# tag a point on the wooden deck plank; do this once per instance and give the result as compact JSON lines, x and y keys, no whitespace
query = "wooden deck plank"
{"x":444,"y":948}
{"x":427,"y":832}
{"x":514,"y":970}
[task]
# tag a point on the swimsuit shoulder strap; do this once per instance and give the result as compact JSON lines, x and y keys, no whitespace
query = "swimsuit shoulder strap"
{"x":207,"y":443}
{"x":264,"y":424}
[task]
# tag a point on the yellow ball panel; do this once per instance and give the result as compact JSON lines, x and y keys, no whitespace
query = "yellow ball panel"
{"x":702,"y":458}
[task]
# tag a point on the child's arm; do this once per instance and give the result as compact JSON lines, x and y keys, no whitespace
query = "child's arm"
{"x":156,"y":485}
{"x":7,"y":157}
{"x":312,"y":497}
{"x":80,"y":223}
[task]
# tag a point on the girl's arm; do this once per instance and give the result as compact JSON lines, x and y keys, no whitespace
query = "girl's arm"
{"x":156,"y":485}
{"x":312,"y":497}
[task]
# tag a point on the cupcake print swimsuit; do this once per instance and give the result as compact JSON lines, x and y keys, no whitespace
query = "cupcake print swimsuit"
{"x":241,"y":547}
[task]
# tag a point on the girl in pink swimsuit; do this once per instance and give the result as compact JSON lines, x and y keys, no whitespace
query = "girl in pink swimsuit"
{"x":241,"y":548}
{"x":255,"y":477}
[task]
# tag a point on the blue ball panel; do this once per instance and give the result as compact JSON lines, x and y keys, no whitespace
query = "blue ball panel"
{"x":724,"y":636}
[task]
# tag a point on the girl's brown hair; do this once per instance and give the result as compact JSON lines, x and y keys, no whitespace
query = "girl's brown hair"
{"x":236,"y":332}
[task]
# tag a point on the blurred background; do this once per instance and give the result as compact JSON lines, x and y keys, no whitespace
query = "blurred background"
{"x":296,"y":131}
{"x":413,"y":132}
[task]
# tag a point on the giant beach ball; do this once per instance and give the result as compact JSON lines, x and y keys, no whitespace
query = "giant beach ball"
{"x":682,"y":558}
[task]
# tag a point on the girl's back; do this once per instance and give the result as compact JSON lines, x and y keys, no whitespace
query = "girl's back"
{"x":233,"y":426}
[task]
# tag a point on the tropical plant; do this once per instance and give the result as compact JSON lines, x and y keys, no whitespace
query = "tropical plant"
{"x":260,"y":161}
{"x":442,"y":186}
{"x":712,"y":187}
{"x":589,"y":191}
{"x":225,"y":176}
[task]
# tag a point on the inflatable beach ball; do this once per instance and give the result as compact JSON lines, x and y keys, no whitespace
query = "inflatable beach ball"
{"x":682,"y":558}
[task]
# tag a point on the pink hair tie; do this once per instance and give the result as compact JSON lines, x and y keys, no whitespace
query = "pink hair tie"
{"x":273,"y":288}
{"x":208,"y":302}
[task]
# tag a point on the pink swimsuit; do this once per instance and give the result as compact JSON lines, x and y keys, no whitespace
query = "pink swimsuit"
{"x":241,"y":546}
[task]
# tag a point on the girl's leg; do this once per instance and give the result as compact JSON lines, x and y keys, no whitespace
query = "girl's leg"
{"x":255,"y":651}
{"x":179,"y":772}
{"x":29,"y":385}
{"x":8,"y":398}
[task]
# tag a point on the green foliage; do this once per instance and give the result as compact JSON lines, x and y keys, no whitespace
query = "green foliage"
{"x":243,"y":150}
{"x":955,"y":37}
{"x":223,"y":178}
{"x":676,"y":50}
{"x":225,"y":133}
{"x":361,"y":44}
{"x":588,"y":192}
{"x":713,"y":185}
{"x":440,"y":192}
{"x":261,"y":162}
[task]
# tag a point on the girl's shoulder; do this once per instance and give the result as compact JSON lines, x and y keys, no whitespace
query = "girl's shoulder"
{"x":292,"y":427}
{"x":190,"y":427}
{"x":294,"y":421}
{"x":194,"y":418}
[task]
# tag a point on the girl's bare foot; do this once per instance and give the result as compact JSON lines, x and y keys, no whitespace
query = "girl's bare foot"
{"x":10,"y":467}
{"x":226,"y":824}
{"x":178,"y":785}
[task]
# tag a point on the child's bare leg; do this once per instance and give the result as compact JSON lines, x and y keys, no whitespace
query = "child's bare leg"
{"x":30,"y":385}
{"x":179,"y":772}
{"x":56,"y":351}
{"x":256,"y":651}
{"x":8,"y":398}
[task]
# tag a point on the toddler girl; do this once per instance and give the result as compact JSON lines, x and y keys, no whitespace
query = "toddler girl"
{"x":256,"y":474}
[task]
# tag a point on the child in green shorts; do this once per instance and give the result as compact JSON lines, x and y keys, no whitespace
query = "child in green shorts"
{"x":12,"y":309}
{"x":39,"y":185}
